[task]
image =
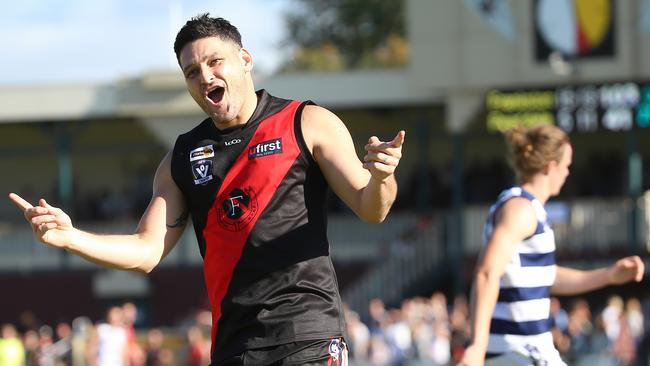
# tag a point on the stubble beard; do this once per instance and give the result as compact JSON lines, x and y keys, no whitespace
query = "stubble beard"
{"x":222,"y":118}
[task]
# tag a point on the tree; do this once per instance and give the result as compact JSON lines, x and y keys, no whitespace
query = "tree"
{"x":330,"y":35}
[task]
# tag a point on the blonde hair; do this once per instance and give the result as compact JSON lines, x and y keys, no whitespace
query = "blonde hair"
{"x":532,"y":149}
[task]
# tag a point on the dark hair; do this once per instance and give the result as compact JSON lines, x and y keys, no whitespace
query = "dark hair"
{"x":203,"y":26}
{"x":531,"y":149}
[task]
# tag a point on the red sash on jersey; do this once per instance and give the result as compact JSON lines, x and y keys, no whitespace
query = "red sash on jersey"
{"x":245,"y":192}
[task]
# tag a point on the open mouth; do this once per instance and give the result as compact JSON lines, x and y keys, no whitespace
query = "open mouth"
{"x":216,"y":95}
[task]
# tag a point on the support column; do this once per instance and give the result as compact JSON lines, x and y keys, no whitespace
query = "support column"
{"x":65,"y":177}
{"x":634,"y":187}
{"x":456,"y":246}
{"x":423,"y":193}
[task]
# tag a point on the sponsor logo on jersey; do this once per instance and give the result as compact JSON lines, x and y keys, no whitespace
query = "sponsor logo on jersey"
{"x":265,"y":148}
{"x":202,"y":171}
{"x":234,"y":141}
{"x":203,"y":152}
{"x":237,"y":209}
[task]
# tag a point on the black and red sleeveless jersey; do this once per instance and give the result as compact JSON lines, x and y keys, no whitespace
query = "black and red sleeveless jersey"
{"x":257,"y":200}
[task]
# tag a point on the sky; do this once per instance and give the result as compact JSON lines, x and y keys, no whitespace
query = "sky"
{"x":97,"y":41}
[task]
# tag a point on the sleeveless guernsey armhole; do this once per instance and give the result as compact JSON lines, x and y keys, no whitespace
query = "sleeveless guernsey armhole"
{"x":175,"y":166}
{"x":297,"y":127}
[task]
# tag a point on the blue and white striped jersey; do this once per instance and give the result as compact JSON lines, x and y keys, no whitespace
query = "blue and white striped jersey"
{"x":521,"y":319}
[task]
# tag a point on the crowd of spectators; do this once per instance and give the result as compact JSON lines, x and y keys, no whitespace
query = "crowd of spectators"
{"x":430,"y":331}
{"x":111,"y":341}
{"x":421,"y":331}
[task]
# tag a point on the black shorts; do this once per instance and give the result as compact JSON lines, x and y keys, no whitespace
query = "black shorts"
{"x":324,"y":352}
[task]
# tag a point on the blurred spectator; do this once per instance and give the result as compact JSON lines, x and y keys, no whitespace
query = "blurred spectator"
{"x":197,"y":351}
{"x":46,"y":350}
{"x":635,"y":318}
{"x":82,"y":329}
{"x":63,"y":346}
{"x":12,"y":352}
{"x":460,"y":328}
{"x":155,"y":341}
{"x":166,"y":357}
{"x":134,"y":352}
{"x":579,"y":329}
{"x":438,"y":305}
{"x":611,"y":317}
{"x":30,"y":341}
{"x":440,"y":350}
{"x":203,"y":319}
{"x":110,"y":339}
{"x":643,"y":351}
{"x":624,"y":349}
{"x":378,"y":315}
{"x":380,"y":353}
{"x":398,"y":335}
{"x":598,"y":342}
{"x":359,"y":334}
{"x":559,"y":315}
{"x":433,"y":343}
{"x":560,"y":328}
{"x":423,"y":337}
{"x":440,"y":347}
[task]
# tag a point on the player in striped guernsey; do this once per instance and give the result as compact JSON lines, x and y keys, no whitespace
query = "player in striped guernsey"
{"x":516,"y":272}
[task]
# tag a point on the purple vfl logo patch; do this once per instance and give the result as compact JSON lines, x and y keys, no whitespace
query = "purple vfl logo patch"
{"x":202,"y":171}
{"x":265,"y":148}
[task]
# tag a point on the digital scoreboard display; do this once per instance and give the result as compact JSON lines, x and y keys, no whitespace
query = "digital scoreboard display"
{"x":576,"y":108}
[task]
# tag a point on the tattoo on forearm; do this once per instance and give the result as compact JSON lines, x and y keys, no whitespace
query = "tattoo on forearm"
{"x":180,"y":221}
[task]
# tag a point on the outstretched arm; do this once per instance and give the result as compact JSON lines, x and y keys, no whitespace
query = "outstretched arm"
{"x":570,"y":281}
{"x":158,"y":231}
{"x":369,"y":187}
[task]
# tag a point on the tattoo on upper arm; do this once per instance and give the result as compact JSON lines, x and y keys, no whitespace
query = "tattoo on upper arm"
{"x":180,"y":221}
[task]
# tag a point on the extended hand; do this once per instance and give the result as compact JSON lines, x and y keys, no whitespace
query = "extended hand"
{"x":383,"y":157}
{"x":627,"y":269}
{"x":50,"y":225}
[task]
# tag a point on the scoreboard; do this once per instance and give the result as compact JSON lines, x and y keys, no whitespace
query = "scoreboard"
{"x":574,"y":108}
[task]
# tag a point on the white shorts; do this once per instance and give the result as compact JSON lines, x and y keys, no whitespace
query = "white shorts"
{"x":519,"y":359}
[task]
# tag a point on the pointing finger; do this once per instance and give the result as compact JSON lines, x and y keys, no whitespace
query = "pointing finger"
{"x":19,"y":202}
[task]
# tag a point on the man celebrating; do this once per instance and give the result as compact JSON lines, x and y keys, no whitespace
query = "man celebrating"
{"x":254,"y":177}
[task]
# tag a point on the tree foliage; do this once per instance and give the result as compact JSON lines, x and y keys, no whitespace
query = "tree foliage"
{"x":329,"y":35}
